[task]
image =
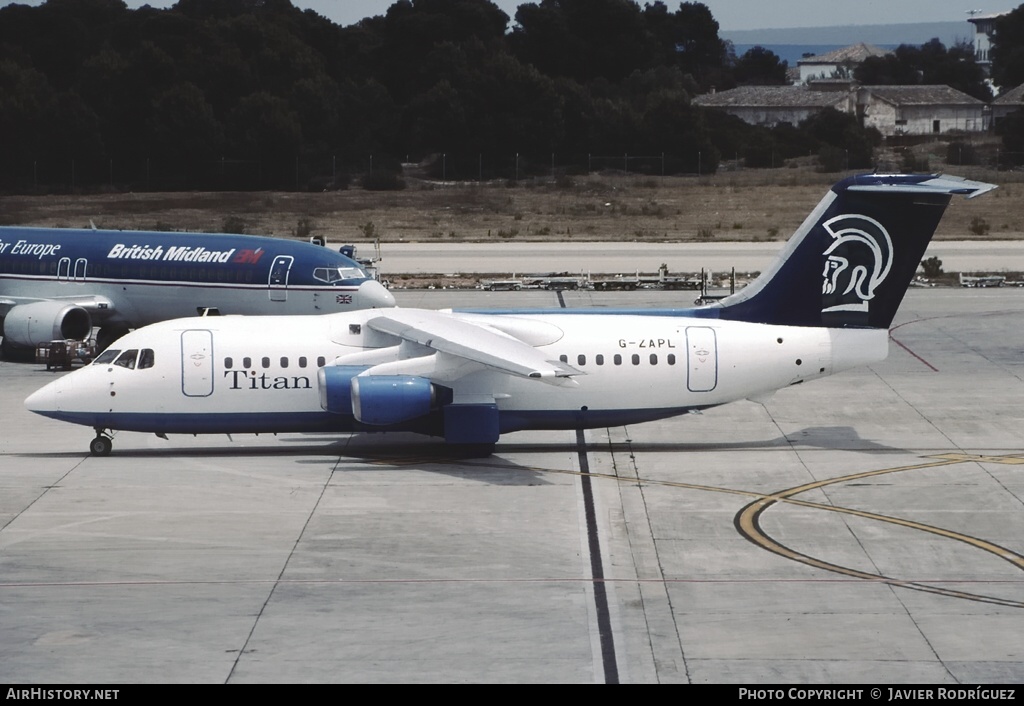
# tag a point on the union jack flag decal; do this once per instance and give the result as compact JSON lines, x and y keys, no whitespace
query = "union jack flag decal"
{"x":344,"y":298}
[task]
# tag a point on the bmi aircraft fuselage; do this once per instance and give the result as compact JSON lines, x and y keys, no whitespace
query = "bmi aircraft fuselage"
{"x":59,"y":283}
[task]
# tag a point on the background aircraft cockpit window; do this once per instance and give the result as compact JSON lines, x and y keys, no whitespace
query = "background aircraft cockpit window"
{"x":337,"y":274}
{"x":107,"y":356}
{"x":147,"y":358}
{"x":127,"y":359}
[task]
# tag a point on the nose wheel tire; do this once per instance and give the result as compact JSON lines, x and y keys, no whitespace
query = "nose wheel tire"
{"x":101,"y":446}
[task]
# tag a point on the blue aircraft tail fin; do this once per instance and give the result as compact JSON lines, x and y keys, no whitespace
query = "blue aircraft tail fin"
{"x":850,"y":262}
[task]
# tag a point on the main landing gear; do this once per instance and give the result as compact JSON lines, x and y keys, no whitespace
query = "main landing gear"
{"x":102,"y":444}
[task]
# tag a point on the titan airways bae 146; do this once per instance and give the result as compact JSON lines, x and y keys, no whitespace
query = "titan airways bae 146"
{"x":58,"y":283}
{"x":469,"y":376}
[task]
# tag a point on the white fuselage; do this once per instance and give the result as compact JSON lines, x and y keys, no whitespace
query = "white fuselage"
{"x":235,"y":374}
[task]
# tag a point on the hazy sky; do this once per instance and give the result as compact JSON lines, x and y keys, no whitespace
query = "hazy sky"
{"x":731,"y":14}
{"x":744,"y":14}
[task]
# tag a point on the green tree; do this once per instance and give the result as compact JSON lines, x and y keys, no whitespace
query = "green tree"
{"x":1011,"y":130}
{"x":1008,"y":50}
{"x":842,"y":134}
{"x":688,"y":39}
{"x":930,"y":64}
{"x":583,"y":39}
{"x":760,"y":67}
{"x":264,"y":127}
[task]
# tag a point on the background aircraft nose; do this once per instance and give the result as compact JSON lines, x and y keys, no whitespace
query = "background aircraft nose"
{"x":373,"y":295}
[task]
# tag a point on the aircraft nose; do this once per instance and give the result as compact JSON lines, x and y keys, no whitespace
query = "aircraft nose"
{"x":374,"y":295}
{"x":42,"y":401}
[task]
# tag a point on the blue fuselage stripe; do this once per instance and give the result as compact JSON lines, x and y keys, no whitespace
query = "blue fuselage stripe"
{"x":296,"y":422}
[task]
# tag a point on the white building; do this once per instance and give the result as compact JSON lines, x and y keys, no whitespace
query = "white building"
{"x":919,"y":110}
{"x":984,"y":30}
{"x":837,"y":64}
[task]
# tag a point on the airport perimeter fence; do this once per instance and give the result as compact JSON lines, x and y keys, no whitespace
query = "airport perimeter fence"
{"x":328,"y":173}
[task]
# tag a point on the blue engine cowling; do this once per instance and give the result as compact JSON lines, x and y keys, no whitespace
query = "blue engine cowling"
{"x":391,"y":399}
{"x":335,"y":383}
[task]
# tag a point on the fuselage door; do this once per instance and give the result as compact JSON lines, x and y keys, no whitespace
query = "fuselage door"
{"x":81,"y":264}
{"x":278,"y":281}
{"x":701,"y":359}
{"x":64,"y":269}
{"x":197,"y":363}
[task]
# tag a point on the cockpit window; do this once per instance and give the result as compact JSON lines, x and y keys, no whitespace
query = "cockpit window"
{"x":106,"y":356}
{"x":337,"y":274}
{"x":127,"y":359}
{"x":147,"y":359}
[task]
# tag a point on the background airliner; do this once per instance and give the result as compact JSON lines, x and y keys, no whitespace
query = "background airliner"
{"x":824,"y":306}
{"x":58,"y":283}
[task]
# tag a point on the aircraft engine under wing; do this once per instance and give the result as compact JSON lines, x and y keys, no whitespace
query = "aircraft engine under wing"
{"x":473,"y":342}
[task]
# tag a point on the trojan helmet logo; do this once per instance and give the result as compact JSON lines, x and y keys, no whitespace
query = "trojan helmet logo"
{"x":856,"y":262}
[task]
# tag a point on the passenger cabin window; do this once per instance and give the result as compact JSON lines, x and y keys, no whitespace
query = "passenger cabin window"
{"x":229,"y":362}
{"x":321,"y":362}
{"x":302,"y":361}
{"x":246,"y":363}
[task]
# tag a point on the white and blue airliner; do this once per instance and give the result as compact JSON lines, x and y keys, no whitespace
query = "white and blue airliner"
{"x":825,"y":306}
{"x":58,"y":283}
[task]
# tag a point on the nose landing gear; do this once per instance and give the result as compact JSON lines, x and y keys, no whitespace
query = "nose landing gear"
{"x":101,"y":445}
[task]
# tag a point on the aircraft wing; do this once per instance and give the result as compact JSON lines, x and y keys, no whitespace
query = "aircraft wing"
{"x":471,"y":341}
{"x":100,"y":307}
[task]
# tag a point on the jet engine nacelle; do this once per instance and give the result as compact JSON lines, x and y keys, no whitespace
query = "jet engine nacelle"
{"x":335,"y":383}
{"x":41,"y":322}
{"x":381,"y":400}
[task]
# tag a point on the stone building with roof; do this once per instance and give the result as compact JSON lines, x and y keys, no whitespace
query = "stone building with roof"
{"x":769,"y":106}
{"x":837,"y":64}
{"x":1009,"y":102}
{"x":919,"y":110}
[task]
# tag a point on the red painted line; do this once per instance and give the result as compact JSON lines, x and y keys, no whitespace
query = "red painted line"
{"x":904,"y":347}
